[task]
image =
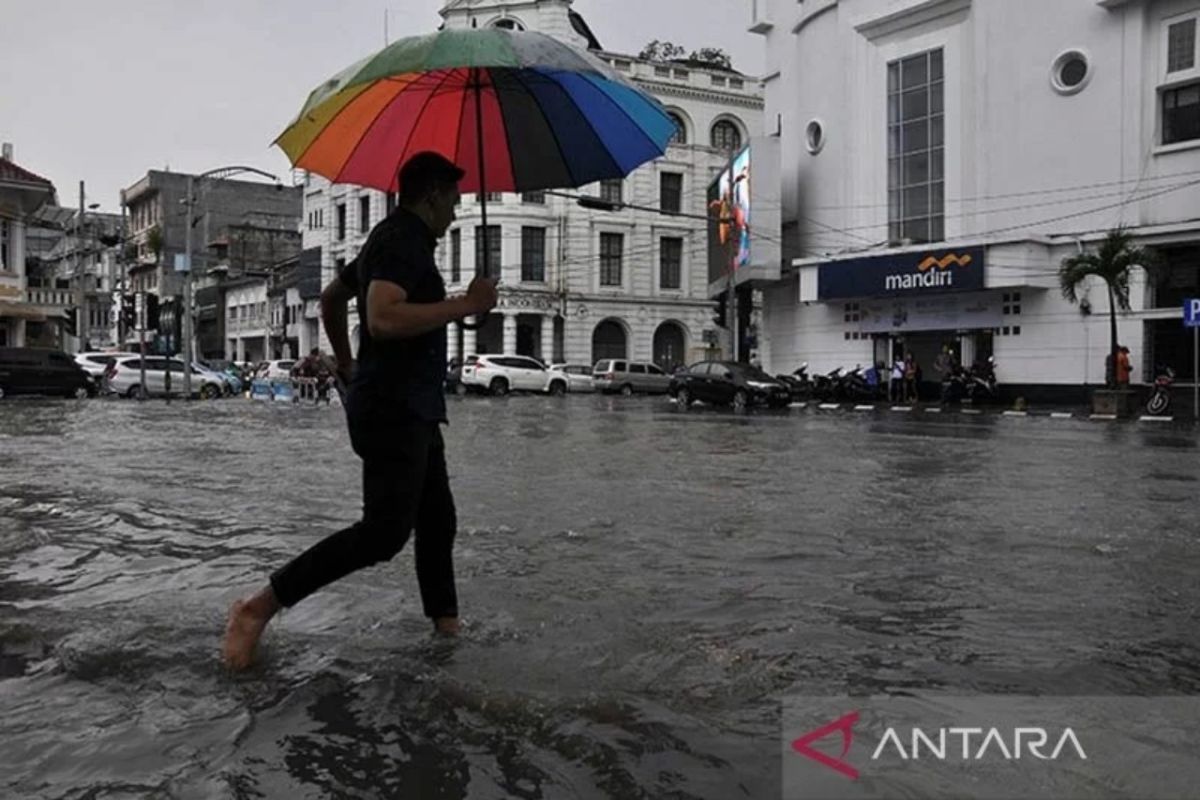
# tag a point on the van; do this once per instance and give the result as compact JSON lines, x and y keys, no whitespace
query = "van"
{"x":627,"y":377}
{"x":35,"y":370}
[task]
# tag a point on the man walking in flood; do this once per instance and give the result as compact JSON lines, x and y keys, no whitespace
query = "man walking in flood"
{"x":395,"y":407}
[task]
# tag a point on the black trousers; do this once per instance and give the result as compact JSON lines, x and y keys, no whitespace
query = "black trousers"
{"x":405,"y":487}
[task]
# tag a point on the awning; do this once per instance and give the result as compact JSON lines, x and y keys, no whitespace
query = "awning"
{"x":22,"y":311}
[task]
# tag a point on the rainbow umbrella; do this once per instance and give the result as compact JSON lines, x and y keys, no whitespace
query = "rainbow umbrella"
{"x":517,"y":110}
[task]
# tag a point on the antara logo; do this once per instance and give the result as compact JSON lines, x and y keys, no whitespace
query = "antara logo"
{"x":931,"y":273}
{"x":940,"y":745}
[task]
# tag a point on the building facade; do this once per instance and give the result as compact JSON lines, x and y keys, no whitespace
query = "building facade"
{"x":941,"y":158}
{"x":578,"y":284}
{"x":22,"y":195}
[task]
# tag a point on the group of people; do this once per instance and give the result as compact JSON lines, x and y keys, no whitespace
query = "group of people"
{"x":906,"y":376}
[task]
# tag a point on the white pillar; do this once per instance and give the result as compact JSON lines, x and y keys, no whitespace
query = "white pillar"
{"x":510,"y":334}
{"x":468,"y":338}
{"x":547,"y":338}
{"x":241,"y":349}
{"x":18,"y":332}
{"x":452,"y":340}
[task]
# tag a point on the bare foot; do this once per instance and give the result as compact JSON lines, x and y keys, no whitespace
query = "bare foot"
{"x":446,"y":626}
{"x":242,"y":632}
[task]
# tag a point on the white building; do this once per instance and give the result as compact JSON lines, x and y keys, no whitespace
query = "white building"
{"x":22,"y":195}
{"x":1012,"y":132}
{"x":578,"y":284}
{"x":247,"y":322}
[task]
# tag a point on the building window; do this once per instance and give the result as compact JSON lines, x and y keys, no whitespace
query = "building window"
{"x":364,"y":215}
{"x":4,"y":245}
{"x":670,"y":185}
{"x":623,"y":66}
{"x":537,"y":198}
{"x":670,"y":262}
{"x":1181,"y":46}
{"x":508,"y":24}
{"x":814,"y":136}
{"x":1181,"y":114}
{"x":718,"y":80}
{"x":456,"y":255}
{"x":612,"y":246}
{"x":726,"y":136}
{"x":680,"y":135}
{"x":533,"y":254}
{"x":916,"y":148}
{"x":736,"y":83}
{"x":491,"y":268}
{"x":681,"y":74}
{"x":662,"y":72}
{"x":1070,"y":72}
{"x":610,"y":191}
{"x":492,"y":197}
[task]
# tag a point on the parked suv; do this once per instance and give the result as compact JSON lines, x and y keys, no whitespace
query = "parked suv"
{"x":728,"y":383}
{"x":34,"y":370}
{"x":499,"y":375}
{"x":627,"y":377}
{"x":124,"y":377}
{"x":570,"y":378}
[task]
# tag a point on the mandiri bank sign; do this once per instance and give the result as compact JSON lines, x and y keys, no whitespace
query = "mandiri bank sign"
{"x":902,"y":274}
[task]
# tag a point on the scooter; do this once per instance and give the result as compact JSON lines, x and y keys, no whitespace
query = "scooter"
{"x":825,"y":387}
{"x":1160,"y":400}
{"x":980,"y":382}
{"x":800,"y":387}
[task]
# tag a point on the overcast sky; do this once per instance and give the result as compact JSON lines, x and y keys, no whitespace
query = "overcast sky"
{"x":104,"y":91}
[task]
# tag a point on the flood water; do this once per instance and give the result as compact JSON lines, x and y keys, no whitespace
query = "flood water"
{"x":641,"y":588}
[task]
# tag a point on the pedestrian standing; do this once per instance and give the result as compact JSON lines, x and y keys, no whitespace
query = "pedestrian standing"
{"x":1124,"y":367}
{"x":910,"y":378}
{"x":395,"y":408}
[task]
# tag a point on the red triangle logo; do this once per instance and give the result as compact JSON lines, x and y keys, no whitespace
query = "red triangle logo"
{"x":846,"y":726}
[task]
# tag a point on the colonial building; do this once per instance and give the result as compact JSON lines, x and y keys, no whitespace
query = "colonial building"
{"x":22,"y":195}
{"x":577,"y":284}
{"x":941,"y":158}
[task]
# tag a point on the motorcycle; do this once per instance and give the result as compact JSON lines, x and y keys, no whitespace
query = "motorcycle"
{"x":825,"y":387}
{"x":1160,"y":400}
{"x":957,"y":386}
{"x":981,"y":386}
{"x":800,"y":387}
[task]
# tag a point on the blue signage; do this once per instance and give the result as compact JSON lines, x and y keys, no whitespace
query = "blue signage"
{"x":899,"y":274}
{"x":1191,"y":312}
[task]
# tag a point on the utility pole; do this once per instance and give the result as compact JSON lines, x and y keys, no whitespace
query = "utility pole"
{"x":187,"y":293}
{"x":80,"y":291}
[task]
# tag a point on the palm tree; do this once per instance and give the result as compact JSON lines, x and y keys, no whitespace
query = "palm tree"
{"x":1111,"y":264}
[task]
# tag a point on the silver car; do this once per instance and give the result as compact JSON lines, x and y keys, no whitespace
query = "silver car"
{"x":571,"y":378}
{"x":627,"y":377}
{"x":124,"y":377}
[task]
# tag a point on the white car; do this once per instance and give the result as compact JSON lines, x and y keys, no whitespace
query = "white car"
{"x":570,"y":378}
{"x":124,"y":377}
{"x":499,"y":375}
{"x":275,"y":370}
{"x":94,"y":364}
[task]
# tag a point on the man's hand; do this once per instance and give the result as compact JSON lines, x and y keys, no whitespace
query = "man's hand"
{"x":481,"y":295}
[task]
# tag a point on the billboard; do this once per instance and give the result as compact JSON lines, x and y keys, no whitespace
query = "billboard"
{"x":743,"y":218}
{"x":896,"y":274}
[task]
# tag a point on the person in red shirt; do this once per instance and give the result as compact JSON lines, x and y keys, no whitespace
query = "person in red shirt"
{"x":1124,"y":367}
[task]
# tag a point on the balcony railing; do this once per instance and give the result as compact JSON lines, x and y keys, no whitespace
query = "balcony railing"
{"x":50,"y":297}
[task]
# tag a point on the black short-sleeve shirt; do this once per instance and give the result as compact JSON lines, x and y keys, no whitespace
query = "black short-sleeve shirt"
{"x":399,"y":379}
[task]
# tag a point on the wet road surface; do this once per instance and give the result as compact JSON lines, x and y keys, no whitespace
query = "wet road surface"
{"x":641,"y":588}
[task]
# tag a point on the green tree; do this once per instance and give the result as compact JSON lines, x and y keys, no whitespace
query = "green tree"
{"x":154,"y":240}
{"x":661,"y":51}
{"x":713,"y":56}
{"x":1111,"y":264}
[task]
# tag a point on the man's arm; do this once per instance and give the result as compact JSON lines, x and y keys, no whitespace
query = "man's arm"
{"x":391,"y":316}
{"x":334,"y":300}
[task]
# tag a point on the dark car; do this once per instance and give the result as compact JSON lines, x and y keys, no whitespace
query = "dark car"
{"x":728,"y":383}
{"x":33,"y":370}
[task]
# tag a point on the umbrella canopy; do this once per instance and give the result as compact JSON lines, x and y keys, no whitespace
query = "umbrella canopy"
{"x":549,"y":115}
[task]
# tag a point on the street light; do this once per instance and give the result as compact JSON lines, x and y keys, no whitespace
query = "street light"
{"x":220,"y":173}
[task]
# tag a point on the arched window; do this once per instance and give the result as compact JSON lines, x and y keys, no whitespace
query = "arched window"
{"x":726,"y":136}
{"x":508,"y":24}
{"x":680,"y":135}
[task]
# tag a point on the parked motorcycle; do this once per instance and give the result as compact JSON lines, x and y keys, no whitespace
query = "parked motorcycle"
{"x":800,"y":386}
{"x":825,"y":387}
{"x":980,"y":382}
{"x":1160,"y":399}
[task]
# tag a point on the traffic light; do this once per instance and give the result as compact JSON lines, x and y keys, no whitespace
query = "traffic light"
{"x":128,"y":312}
{"x":151,"y":312}
{"x":720,"y":309}
{"x":70,"y":321}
